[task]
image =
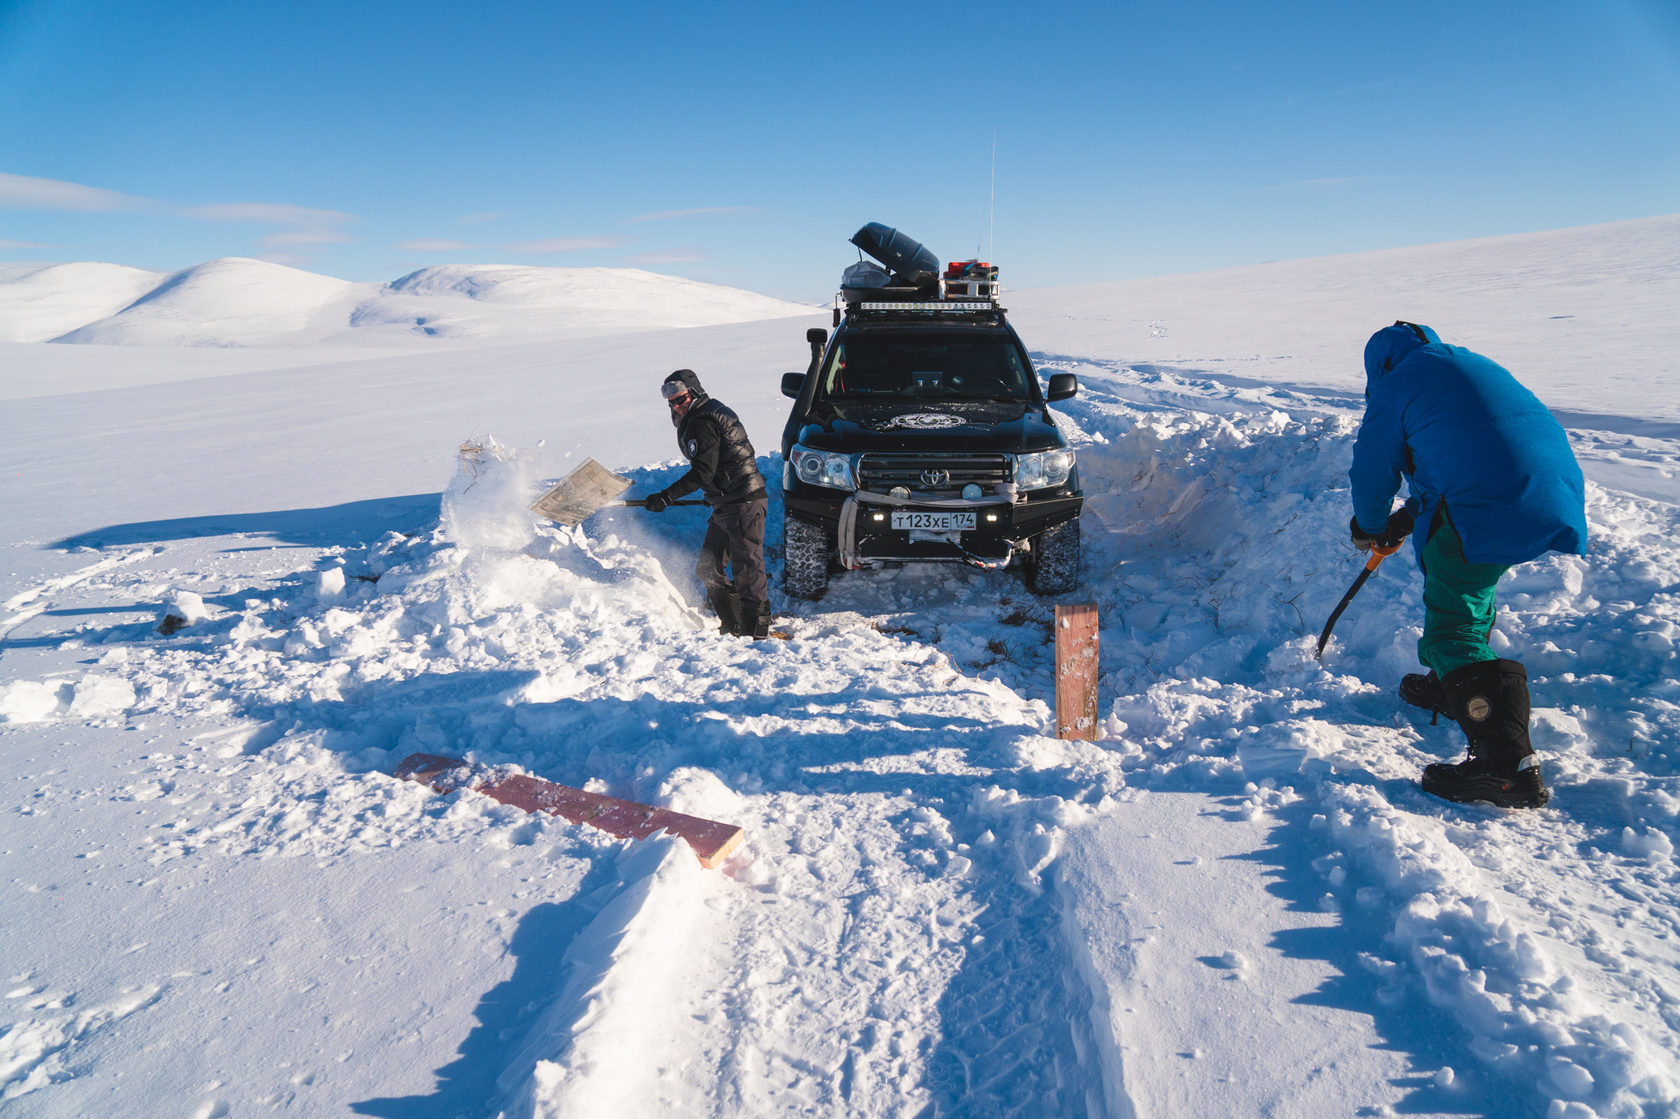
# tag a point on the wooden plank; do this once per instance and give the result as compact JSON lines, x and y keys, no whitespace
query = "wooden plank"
{"x":711,"y":840}
{"x":1076,"y":671}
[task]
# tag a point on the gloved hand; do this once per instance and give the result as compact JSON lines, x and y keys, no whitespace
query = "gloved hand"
{"x":1398,"y":528}
{"x":1391,"y":536}
{"x":1361,"y":539}
{"x":656,"y":502}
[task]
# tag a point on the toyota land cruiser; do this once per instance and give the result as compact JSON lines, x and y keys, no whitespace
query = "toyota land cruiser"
{"x":920,"y":432}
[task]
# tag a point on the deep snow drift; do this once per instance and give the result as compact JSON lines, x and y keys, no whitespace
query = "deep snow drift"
{"x":1235,"y":902}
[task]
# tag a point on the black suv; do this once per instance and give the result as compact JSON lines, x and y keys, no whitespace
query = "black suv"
{"x":920,"y":432}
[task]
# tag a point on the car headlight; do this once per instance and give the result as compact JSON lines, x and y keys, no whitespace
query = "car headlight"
{"x":823,"y":468}
{"x":1042,"y":470}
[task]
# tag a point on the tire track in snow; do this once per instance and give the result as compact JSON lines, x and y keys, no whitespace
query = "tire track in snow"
{"x":890,"y":946}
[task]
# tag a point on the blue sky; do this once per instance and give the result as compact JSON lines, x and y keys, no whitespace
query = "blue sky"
{"x":743,"y":143}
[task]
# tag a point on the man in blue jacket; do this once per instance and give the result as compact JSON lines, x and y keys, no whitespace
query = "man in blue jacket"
{"x":1492,"y":483}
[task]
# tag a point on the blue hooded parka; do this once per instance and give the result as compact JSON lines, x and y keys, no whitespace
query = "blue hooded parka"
{"x":1463,"y":432}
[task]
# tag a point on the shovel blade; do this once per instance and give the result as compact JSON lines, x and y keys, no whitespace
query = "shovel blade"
{"x":580,"y":493}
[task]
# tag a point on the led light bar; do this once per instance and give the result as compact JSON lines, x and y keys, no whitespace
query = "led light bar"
{"x":930,"y":308}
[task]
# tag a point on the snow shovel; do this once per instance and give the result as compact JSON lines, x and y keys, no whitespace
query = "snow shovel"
{"x":1378,"y":554}
{"x":586,"y":489}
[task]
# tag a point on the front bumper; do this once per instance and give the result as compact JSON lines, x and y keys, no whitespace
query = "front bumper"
{"x":861,"y":523}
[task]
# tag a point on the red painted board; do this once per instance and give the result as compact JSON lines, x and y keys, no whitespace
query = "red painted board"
{"x":712,"y":841}
{"x":1076,"y":672}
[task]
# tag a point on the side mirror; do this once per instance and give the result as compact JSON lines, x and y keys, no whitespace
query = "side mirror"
{"x":1062,"y":386}
{"x":792,"y":383}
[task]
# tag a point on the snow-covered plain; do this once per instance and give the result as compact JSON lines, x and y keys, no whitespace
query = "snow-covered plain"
{"x":1236,"y":902}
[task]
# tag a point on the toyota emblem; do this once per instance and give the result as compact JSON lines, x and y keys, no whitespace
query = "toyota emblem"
{"x":935,"y":477}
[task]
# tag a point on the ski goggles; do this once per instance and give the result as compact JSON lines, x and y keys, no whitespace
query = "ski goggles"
{"x":673,"y":390}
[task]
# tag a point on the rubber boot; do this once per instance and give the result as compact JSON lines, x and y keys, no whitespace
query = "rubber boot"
{"x":1489,"y":699}
{"x":755,"y":620}
{"x":727,"y":605}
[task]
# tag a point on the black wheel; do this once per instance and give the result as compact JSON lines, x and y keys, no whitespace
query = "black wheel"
{"x":1053,"y":564}
{"x":805,"y":549}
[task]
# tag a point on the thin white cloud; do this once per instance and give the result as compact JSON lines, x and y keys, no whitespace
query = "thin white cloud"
{"x":304,"y":237}
{"x":296,"y":225}
{"x":300,"y":225}
{"x":7,"y":244}
{"x":24,"y":192}
{"x":564,"y":245}
{"x":268,"y":213}
{"x":667,"y":215}
{"x":668,"y":256}
{"x":433,"y":245}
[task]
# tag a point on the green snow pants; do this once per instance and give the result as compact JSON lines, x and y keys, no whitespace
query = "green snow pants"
{"x":1458,"y":606}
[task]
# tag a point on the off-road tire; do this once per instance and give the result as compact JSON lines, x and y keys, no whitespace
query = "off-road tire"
{"x":1053,"y":563}
{"x":805,"y":551}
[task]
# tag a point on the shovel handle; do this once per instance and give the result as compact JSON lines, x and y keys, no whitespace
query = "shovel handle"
{"x":641,"y":503}
{"x":1379,"y":553}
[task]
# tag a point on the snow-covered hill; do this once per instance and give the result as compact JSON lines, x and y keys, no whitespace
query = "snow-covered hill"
{"x":1572,"y":311}
{"x":1235,"y":902}
{"x":240,"y":302}
{"x":503,"y":303}
{"x":39,"y":303}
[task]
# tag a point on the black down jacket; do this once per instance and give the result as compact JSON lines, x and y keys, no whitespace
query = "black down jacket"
{"x":721,"y":461}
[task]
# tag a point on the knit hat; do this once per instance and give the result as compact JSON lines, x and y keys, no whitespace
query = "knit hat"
{"x":687,"y":379}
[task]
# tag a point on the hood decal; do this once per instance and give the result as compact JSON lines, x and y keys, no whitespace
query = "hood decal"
{"x":919,"y":421}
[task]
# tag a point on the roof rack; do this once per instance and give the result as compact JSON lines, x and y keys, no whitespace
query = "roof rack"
{"x":967,"y":288}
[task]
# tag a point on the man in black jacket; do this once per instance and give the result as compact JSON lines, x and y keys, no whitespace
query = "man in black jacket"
{"x":721,"y":463}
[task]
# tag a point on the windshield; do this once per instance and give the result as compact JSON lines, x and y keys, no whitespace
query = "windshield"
{"x":952,"y":366}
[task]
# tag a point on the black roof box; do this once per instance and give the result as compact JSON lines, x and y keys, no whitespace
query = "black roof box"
{"x":910,"y":262}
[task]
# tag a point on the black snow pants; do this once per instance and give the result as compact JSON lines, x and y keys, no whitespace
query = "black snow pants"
{"x":735,"y":536}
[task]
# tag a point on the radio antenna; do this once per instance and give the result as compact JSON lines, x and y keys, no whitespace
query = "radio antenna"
{"x":991,"y":210}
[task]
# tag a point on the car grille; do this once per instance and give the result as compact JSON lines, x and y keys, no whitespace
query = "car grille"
{"x":880,"y":473}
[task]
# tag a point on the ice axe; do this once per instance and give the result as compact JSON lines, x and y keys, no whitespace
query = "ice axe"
{"x":1379,"y":552}
{"x":586,"y":489}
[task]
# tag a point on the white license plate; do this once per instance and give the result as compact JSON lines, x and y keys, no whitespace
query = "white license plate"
{"x":932,"y":522}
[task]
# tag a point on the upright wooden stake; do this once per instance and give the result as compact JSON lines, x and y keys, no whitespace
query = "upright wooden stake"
{"x":1076,"y":671}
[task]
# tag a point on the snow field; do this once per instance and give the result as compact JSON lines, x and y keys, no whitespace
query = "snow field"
{"x":902,"y":801}
{"x":1478,"y":921}
{"x":1236,"y":899}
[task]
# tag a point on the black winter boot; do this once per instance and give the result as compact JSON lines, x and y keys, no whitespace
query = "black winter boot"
{"x":1423,"y":689}
{"x":727,"y":605}
{"x":755,"y":620}
{"x":1489,"y":700}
